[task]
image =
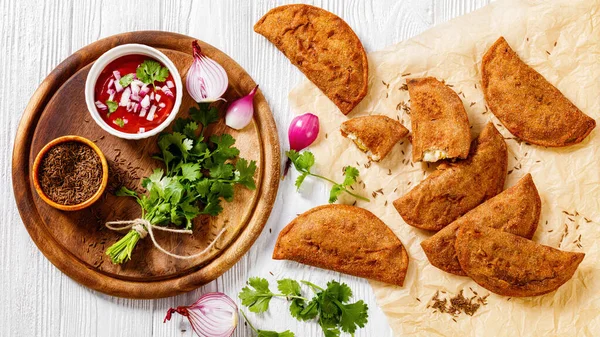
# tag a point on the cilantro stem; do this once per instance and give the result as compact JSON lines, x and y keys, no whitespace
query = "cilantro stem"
{"x":121,"y":250}
{"x":291,"y":296}
{"x":314,"y":287}
{"x":248,"y":321}
{"x":333,"y":182}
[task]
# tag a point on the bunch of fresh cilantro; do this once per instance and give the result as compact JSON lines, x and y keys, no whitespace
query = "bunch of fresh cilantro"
{"x":329,"y":306}
{"x":198,"y":173}
{"x":303,"y":163}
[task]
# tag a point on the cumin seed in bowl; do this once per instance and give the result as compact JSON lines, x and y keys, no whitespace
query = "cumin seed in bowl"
{"x":70,"y":173}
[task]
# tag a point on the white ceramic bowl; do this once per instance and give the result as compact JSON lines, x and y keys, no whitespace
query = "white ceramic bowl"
{"x":115,"y":53}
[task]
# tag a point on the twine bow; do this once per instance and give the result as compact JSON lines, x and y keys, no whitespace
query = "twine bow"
{"x":143,"y":227}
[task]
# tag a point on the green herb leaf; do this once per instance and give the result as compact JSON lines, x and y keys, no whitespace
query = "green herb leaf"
{"x":264,"y":333}
{"x":350,"y":175}
{"x":256,"y":299}
{"x":245,"y":173}
{"x":353,"y":315}
{"x":120,"y":122}
{"x":112,"y":107}
{"x":304,"y":161}
{"x":151,"y":71}
{"x":126,"y":80}
{"x":204,"y":114}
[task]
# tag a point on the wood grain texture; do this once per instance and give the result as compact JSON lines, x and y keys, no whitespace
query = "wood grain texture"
{"x":76,"y":241}
{"x":38,"y":35}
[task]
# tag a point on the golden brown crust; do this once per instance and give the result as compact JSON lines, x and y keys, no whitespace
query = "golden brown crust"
{"x":516,"y":211}
{"x":346,"y":239}
{"x":529,"y":106}
{"x":510,"y":265}
{"x":377,"y":134}
{"x":438,"y":118}
{"x":456,"y":188}
{"x":323,"y":47}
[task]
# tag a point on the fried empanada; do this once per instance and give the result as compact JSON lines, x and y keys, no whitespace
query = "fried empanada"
{"x":346,"y":239}
{"x":376,"y":135}
{"x":323,"y":47}
{"x":527,"y":104}
{"x":456,"y":188}
{"x":440,"y":126}
{"x":516,"y":211}
{"x":510,"y":265}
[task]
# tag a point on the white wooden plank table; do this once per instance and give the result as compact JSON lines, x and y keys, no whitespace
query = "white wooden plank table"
{"x":36,"y":299}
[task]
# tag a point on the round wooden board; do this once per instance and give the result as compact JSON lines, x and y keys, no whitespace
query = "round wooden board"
{"x":75,"y":241}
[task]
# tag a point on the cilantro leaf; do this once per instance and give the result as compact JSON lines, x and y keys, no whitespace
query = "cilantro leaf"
{"x":126,"y":80}
{"x":353,"y":315}
{"x":350,"y":175}
{"x":224,"y":171}
{"x":264,"y":333}
{"x":120,"y":122}
{"x":225,"y":149}
{"x":190,"y":171}
{"x":304,"y":161}
{"x":256,"y":299}
{"x":289,"y":287}
{"x":244,"y":172}
{"x":112,"y":107}
{"x":151,"y":71}
{"x":204,"y":114}
{"x":300,"y":180}
{"x":335,"y":192}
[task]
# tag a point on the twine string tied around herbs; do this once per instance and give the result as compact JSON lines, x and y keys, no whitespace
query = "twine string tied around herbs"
{"x":143,"y":227}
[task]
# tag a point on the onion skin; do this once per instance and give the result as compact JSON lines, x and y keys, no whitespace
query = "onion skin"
{"x":239,"y":113}
{"x":212,"y":315}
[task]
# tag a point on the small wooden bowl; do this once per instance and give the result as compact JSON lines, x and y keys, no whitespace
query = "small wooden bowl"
{"x":42,"y":153}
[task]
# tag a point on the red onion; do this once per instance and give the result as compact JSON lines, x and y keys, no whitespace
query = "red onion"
{"x":303,"y":131}
{"x":212,"y":315}
{"x":206,"y":80}
{"x":239,"y":113}
{"x":101,"y":105}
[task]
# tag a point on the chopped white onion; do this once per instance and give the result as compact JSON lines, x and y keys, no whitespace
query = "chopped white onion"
{"x":152,"y":95}
{"x":135,"y":89}
{"x":145,"y":102}
{"x":144,"y":90}
{"x":110,"y":83}
{"x":162,"y":105}
{"x":117,"y":75}
{"x":101,"y":105}
{"x":150,"y":116}
{"x":135,"y":97}
{"x":157,"y":97}
{"x":167,"y":91}
{"x":125,"y":97}
{"x":118,"y":86}
{"x":142,"y":130}
{"x":143,"y":112}
{"x":111,"y":97}
{"x":170,"y":84}
{"x":138,"y":83}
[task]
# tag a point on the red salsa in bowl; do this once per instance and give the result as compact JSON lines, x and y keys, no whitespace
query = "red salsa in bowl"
{"x":135,"y":93}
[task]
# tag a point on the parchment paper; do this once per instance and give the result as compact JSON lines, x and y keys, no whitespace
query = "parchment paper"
{"x":561,"y":40}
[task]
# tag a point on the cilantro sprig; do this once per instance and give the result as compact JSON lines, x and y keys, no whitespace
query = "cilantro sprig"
{"x":304,"y":161}
{"x":199,"y":173}
{"x":151,"y":71}
{"x":328,"y":306}
{"x":265,"y":333}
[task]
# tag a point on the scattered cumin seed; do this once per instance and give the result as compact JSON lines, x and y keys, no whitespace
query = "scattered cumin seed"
{"x":472,"y":103}
{"x":404,"y":87}
{"x":555,"y":43}
{"x":547,"y":52}
{"x":385,"y":204}
{"x":406,"y":74}
{"x":389,"y":172}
